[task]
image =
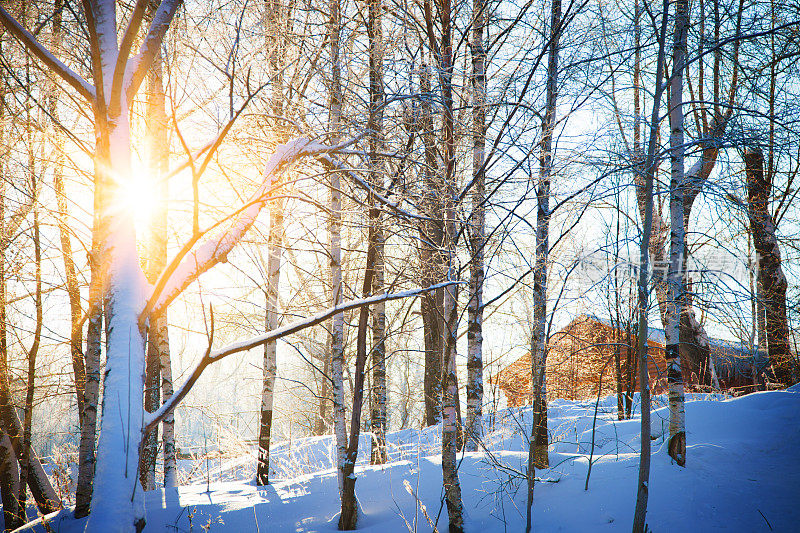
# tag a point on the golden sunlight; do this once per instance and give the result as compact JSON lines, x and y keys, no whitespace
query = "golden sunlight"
{"x":138,"y":196}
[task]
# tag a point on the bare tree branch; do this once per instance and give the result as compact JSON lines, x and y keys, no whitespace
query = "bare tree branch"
{"x":45,"y":56}
{"x":180,"y":275}
{"x":211,"y":356}
{"x":140,"y":63}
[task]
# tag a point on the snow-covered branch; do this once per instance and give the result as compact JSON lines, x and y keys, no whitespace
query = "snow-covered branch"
{"x":174,"y":280}
{"x":138,"y":65}
{"x":45,"y":56}
{"x":151,"y":420}
{"x":134,"y":23}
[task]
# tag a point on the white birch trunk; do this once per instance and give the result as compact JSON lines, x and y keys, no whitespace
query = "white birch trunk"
{"x":451,"y":423}
{"x":158,"y":335}
{"x":117,"y":501}
{"x":474,"y":426}
{"x":677,"y":296}
{"x":275,"y":247}
{"x":168,"y":426}
{"x":337,"y":322}
{"x":159,"y":329}
{"x":273,"y":18}
{"x":450,"y":426}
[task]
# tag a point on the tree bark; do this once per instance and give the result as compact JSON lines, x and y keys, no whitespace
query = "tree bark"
{"x":86,"y":450}
{"x":349,"y":514}
{"x":770,"y":271}
{"x":650,"y":165}
{"x":378,"y":415}
{"x":275,"y":247}
{"x":677,"y":296}
{"x":273,"y":18}
{"x":451,"y":419}
{"x":618,"y":374}
{"x":9,"y":482}
{"x":152,"y":401}
{"x":335,"y":234}
{"x":632,"y":358}
{"x":474,"y":423}
{"x":537,"y":454}
{"x":431,"y":241}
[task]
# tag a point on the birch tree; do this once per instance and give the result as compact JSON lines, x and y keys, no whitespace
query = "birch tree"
{"x":677,"y":430}
{"x":335,"y":236}
{"x":158,"y":365}
{"x":473,"y":426}
{"x":275,"y":17}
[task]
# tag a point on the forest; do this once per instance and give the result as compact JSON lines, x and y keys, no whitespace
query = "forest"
{"x":380,"y":265}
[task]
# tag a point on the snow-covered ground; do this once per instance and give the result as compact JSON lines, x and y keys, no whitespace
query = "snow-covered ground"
{"x":742,"y":474}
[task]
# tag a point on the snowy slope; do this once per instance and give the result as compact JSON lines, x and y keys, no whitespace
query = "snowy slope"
{"x":742,"y":473}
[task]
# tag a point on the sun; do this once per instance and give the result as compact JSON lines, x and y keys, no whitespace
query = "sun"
{"x":139,"y":197}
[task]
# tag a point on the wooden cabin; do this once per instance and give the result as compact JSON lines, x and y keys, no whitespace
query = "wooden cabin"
{"x":583,"y":355}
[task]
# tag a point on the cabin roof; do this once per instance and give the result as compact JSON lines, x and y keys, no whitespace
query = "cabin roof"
{"x":726,"y":351}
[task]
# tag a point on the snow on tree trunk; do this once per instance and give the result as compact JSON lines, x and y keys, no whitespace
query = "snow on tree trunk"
{"x":676,"y":302}
{"x":375,"y":127}
{"x":770,"y":271}
{"x":117,"y":501}
{"x":477,"y":236}
{"x":275,"y":247}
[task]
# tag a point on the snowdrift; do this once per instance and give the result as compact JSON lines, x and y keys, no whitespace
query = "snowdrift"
{"x":742,"y":474}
